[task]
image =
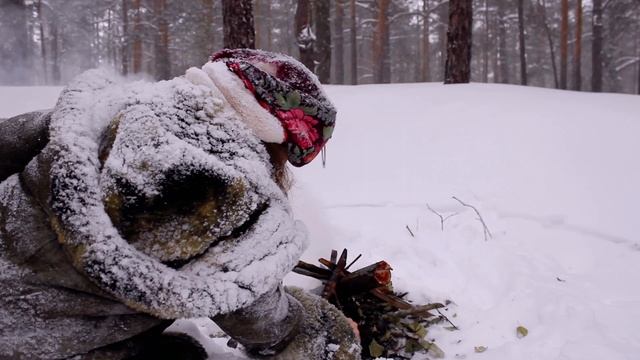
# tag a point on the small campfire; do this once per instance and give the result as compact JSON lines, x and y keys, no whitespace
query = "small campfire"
{"x":389,"y":325}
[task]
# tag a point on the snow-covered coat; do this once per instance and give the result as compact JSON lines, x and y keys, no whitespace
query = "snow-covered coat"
{"x":147,"y":201}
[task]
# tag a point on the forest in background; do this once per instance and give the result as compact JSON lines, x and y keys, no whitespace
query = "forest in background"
{"x":589,"y":45}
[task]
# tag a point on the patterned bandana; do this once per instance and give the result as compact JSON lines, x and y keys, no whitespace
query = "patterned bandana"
{"x":289,"y":92}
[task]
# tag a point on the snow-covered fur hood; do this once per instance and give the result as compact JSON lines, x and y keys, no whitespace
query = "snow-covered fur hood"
{"x":216,"y":75}
{"x":162,"y":132}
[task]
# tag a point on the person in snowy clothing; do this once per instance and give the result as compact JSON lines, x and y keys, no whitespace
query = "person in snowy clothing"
{"x":132,"y":204}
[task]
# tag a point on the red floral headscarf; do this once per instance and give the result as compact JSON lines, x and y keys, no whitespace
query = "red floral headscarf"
{"x":291,"y":93}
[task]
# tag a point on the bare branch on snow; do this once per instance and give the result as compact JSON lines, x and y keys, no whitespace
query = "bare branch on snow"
{"x":442,"y":217}
{"x":487,"y":232}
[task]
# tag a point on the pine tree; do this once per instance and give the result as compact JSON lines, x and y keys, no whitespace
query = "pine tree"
{"x":577,"y":54}
{"x":338,"y":42}
{"x":16,"y":56}
{"x":354,"y":43}
{"x":137,"y":37}
{"x":161,"y":40}
{"x":458,"y":64}
{"x":425,"y":63}
{"x":596,"y":47}
{"x":381,"y":42}
{"x":522,"y":45}
{"x":564,"y":43}
{"x":239,"y":31}
{"x":323,"y":44}
{"x":305,"y":36}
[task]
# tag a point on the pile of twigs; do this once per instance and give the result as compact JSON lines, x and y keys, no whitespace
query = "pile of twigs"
{"x":389,"y":326}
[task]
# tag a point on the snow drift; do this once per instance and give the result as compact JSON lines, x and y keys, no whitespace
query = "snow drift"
{"x":554,"y":175}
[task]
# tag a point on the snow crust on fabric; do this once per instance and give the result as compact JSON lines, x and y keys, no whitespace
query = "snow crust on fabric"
{"x":172,"y":122}
{"x":46,"y":307}
{"x":290,"y":69}
{"x":324,"y":334}
{"x":22,"y":137}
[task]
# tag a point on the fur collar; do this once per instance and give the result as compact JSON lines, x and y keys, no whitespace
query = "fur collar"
{"x":216,"y":75}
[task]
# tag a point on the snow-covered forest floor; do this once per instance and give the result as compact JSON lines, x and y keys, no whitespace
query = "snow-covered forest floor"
{"x":555,"y":176}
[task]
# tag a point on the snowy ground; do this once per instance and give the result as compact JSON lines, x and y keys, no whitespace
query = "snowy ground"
{"x":555,"y":176}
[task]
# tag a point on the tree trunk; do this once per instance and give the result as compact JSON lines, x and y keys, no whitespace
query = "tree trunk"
{"x":114,"y":34}
{"x":124,"y":52}
{"x":425,"y":66}
{"x":239,"y":31}
{"x":304,"y":34}
{"x":209,"y":27}
{"x":56,"y":76}
{"x":269,"y":23}
{"x":543,"y":14}
{"x":258,"y":22}
{"x":523,"y":49}
{"x":96,"y":46}
{"x":161,"y":41}
{"x":137,"y":40}
{"x":577,"y":54}
{"x":444,"y":24}
{"x":43,"y":43}
{"x":380,"y":42}
{"x":502,"y":43}
{"x":323,"y":45}
{"x":496,"y":51}
{"x":339,"y":42}
{"x":16,"y":50}
{"x":110,"y":41}
{"x":458,"y":64}
{"x":354,"y":44}
{"x":386,"y":53}
{"x":292,"y":43}
{"x":596,"y":47}
{"x":564,"y":43}
{"x":485,"y":45}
